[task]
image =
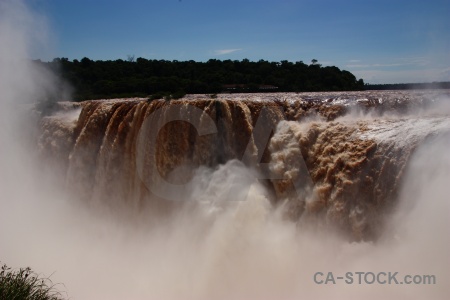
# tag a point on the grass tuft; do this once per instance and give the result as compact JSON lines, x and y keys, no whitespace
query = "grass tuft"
{"x":24,"y":284}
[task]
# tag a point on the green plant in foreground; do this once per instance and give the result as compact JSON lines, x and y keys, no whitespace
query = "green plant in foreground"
{"x":24,"y":284}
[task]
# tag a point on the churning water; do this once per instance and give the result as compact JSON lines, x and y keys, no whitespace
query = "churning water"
{"x":239,"y":197}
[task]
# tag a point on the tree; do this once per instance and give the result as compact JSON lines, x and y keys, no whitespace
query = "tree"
{"x":141,"y":77}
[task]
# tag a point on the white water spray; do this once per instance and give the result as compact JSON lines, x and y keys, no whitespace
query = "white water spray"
{"x":243,"y":250}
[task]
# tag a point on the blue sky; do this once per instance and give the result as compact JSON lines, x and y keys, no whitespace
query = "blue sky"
{"x":379,"y":41}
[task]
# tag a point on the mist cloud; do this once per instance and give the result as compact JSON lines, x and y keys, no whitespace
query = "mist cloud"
{"x":243,"y":250}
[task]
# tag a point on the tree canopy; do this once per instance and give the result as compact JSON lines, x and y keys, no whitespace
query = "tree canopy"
{"x":142,"y":77}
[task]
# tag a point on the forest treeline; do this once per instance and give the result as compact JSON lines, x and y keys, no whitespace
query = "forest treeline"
{"x":143,"y":77}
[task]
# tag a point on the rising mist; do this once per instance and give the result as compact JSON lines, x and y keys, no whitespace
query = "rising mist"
{"x":208,"y":247}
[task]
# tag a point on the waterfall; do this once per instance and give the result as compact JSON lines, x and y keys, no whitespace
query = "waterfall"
{"x":334,"y":160}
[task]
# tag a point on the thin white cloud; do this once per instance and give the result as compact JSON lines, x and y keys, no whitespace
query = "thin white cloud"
{"x":445,"y":74}
{"x":358,"y":66}
{"x":376,"y":65}
{"x":409,"y":69}
{"x":405,"y":61}
{"x":403,"y":76}
{"x":225,"y":51}
{"x":417,"y":60}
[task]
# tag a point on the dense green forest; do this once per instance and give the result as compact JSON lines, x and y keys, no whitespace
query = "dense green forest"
{"x":143,"y":77}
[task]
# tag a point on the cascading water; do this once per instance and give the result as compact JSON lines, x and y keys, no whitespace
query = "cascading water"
{"x":253,"y":194}
{"x":314,"y":153}
{"x":239,"y":197}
